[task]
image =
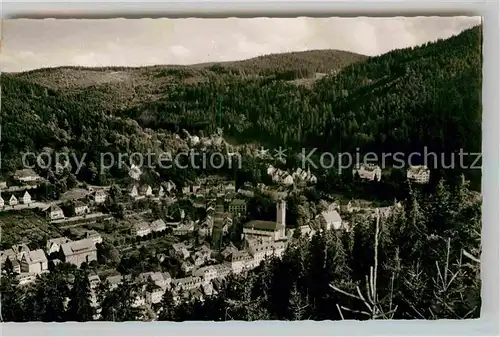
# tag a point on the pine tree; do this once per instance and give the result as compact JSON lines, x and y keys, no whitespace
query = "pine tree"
{"x":167,"y":312}
{"x":298,"y":305}
{"x":12,"y":296}
{"x":80,"y":306}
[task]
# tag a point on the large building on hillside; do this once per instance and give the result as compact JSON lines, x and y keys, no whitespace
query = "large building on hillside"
{"x":275,"y":229}
{"x":78,"y":252}
{"x":419,"y":174}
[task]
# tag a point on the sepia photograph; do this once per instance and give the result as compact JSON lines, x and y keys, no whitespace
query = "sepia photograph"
{"x":241,"y":169}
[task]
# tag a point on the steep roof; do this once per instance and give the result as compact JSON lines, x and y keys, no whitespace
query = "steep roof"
{"x":78,"y":247}
{"x":238,"y":202}
{"x":264,"y":225}
{"x":25,"y":173}
{"x":331,"y":216}
{"x":35,"y":256}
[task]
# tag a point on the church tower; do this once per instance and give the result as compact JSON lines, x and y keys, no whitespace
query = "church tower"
{"x":281,"y":212}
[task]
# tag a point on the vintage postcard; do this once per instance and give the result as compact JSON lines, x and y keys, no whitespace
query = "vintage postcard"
{"x":241,"y":169}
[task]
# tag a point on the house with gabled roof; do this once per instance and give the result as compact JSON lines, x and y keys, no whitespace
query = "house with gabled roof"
{"x":100,"y":196}
{"x":54,"y":245}
{"x":158,"y":225}
{"x":26,"y":175}
{"x":78,"y":252}
{"x":134,"y":192}
{"x":238,"y":207}
{"x":419,"y":174}
{"x":54,"y":212}
{"x":26,"y":199}
{"x":161,"y":192}
{"x":34,"y":262}
{"x":147,"y":191}
{"x":93,"y":235}
{"x":80,"y":208}
{"x":13,"y":200}
{"x":330,"y":219}
{"x":368,"y":171}
{"x":142,"y":229}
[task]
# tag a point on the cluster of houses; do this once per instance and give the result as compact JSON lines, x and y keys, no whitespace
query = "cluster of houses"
{"x":419,"y":174}
{"x":53,"y":211}
{"x":209,"y":186}
{"x":143,"y":229}
{"x":204,"y":269}
{"x":285,"y":178}
{"x":146,"y":191}
{"x":79,"y":208}
{"x":30,"y":263}
{"x":13,"y":201}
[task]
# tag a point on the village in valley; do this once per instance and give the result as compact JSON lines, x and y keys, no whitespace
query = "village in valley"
{"x":166,"y":238}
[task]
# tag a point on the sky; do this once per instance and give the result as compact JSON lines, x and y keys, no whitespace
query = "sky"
{"x":31,"y":44}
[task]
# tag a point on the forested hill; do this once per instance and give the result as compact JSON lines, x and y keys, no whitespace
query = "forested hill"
{"x":122,"y":87}
{"x":400,"y":101}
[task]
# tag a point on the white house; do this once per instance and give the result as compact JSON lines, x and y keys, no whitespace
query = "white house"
{"x":369,"y":172}
{"x":80,"y":208}
{"x":262,"y":248}
{"x":186,"y":283}
{"x":207,"y":273}
{"x":153,"y":294}
{"x":26,"y":199}
{"x":3,"y":185}
{"x":26,"y":175}
{"x":142,"y":229}
{"x":2,"y":202}
{"x":55,"y":212}
{"x":13,"y":200}
{"x":148,"y":191}
{"x":180,"y":250}
{"x":239,"y":260}
{"x":419,"y":174}
{"x":34,"y":262}
{"x":330,"y":219}
{"x":133,"y":192}
{"x":94,"y":236}
{"x":100,"y":196}
{"x":304,"y":175}
{"x":170,"y":186}
{"x":160,"y":279}
{"x":280,"y":176}
{"x":161,"y":192}
{"x":134,"y":172}
{"x":158,"y":225}
{"x":54,"y":245}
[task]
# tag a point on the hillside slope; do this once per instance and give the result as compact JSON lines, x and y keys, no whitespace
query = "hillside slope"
{"x":400,"y":101}
{"x":121,"y":87}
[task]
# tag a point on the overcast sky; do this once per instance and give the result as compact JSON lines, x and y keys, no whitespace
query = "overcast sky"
{"x":31,"y":44}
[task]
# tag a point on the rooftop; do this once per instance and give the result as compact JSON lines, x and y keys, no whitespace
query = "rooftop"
{"x":264,"y":225}
{"x":331,"y":216}
{"x":25,"y":173}
{"x":238,"y":202}
{"x":77,"y":247}
{"x":36,"y":256}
